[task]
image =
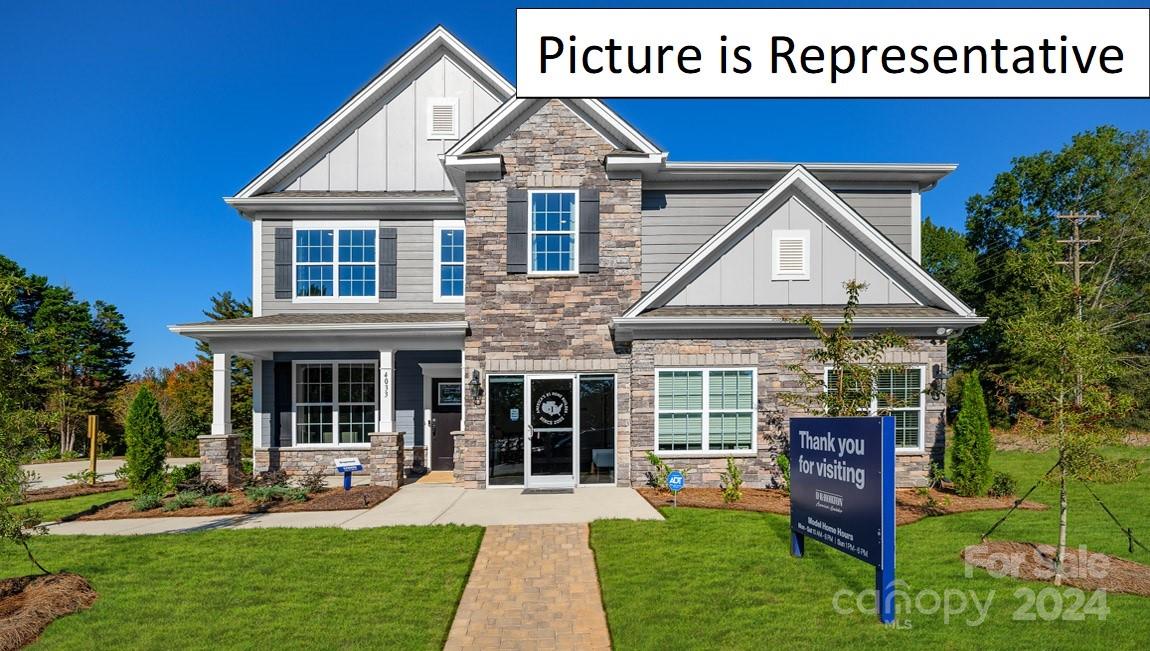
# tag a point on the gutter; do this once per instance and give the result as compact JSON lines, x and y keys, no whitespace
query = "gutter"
{"x":437,"y":327}
{"x":629,"y":328}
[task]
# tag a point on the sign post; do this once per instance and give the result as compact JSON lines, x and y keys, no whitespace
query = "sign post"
{"x":675,"y":481}
{"x":348,"y":465}
{"x":842,"y":493}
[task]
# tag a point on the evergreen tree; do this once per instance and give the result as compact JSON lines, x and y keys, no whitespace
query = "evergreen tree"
{"x":972,"y":445}
{"x":146,"y":438}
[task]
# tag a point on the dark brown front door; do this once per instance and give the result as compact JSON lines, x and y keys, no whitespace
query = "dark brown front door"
{"x":446,"y":407}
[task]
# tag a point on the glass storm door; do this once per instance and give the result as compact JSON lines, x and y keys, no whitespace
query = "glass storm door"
{"x":551,"y":431}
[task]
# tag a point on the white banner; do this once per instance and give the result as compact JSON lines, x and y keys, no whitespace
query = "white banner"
{"x":833,"y":53}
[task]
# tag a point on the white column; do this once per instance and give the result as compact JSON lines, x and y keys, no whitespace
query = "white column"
{"x":221,"y":394}
{"x":257,"y":403}
{"x":386,"y":391}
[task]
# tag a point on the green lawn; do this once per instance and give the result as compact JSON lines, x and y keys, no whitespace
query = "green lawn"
{"x":52,"y":510}
{"x":721,"y":579}
{"x":393,"y":588}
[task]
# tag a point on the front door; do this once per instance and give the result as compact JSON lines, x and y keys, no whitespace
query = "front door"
{"x":446,"y":407}
{"x":550,"y":403}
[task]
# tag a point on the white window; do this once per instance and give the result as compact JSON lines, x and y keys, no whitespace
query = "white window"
{"x":553,"y":232}
{"x":705,"y":410}
{"x":335,"y":261}
{"x":335,"y":403}
{"x":899,"y":392}
{"x":443,"y":118}
{"x":449,"y":250}
{"x":791,"y":254}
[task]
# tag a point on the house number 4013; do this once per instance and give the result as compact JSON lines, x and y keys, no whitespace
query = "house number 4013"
{"x":385,"y":384}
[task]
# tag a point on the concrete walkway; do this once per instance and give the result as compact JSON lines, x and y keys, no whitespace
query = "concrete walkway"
{"x":51,"y":475}
{"x":414,"y":504}
{"x":532,"y":587}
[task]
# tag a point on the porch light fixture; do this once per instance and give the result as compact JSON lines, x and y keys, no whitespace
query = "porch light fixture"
{"x":937,"y":388}
{"x":476,"y":388}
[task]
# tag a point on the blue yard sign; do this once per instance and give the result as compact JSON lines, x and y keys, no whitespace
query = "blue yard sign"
{"x":842,"y":492}
{"x":675,"y":481}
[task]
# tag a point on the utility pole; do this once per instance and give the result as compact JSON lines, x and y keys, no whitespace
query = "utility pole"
{"x":1076,"y":263}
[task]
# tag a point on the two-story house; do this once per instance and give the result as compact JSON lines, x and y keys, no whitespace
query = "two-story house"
{"x":531,"y":294}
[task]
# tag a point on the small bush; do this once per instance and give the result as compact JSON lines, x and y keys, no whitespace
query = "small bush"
{"x":146,"y":503}
{"x":313,"y":481}
{"x":784,"y":463}
{"x":203,"y":487}
{"x":82,"y":478}
{"x":1003,"y":485}
{"x":181,"y":475}
{"x":181,"y":500}
{"x":144,"y":432}
{"x":217,"y":500}
{"x":269,"y":494}
{"x":732,"y":482}
{"x":658,"y":477}
{"x":970,"y":452}
{"x":269,"y":478}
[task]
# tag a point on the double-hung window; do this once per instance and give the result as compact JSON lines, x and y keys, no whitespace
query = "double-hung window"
{"x":553,"y":231}
{"x":335,"y":403}
{"x":335,"y":262}
{"x":449,"y":248}
{"x":899,"y":392}
{"x":705,"y":410}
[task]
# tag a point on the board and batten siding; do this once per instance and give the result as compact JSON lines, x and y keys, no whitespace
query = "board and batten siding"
{"x":388,"y":149}
{"x":414,"y":272}
{"x":742,"y":275}
{"x":677,"y":222}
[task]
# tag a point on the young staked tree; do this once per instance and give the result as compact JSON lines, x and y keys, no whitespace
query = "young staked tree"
{"x":855,"y":363}
{"x":1068,"y":363}
{"x":146,"y":439}
{"x":970,"y":451}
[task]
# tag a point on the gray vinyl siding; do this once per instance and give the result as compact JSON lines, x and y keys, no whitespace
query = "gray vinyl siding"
{"x":388,"y":148}
{"x":415,"y":268}
{"x":409,"y":386}
{"x":677,"y":222}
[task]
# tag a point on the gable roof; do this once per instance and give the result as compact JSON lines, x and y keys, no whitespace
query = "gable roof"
{"x":906,"y":271}
{"x":385,"y":81}
{"x":608,"y":123}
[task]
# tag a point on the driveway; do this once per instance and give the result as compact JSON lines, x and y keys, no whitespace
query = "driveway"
{"x":51,"y":475}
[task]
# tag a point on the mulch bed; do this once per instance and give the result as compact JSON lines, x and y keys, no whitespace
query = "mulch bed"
{"x":1083,"y":569}
{"x":29,"y":603}
{"x":75,"y":490}
{"x":333,"y":499}
{"x":912,"y":506}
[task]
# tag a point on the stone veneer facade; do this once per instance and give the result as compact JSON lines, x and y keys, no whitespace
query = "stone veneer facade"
{"x":561,"y":323}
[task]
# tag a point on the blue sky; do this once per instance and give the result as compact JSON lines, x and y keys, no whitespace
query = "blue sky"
{"x":127,"y":121}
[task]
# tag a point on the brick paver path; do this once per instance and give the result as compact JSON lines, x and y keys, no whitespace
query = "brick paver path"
{"x":532,"y":587}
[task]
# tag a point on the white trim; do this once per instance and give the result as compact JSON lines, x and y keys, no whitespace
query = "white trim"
{"x":439,"y":226}
{"x":777,"y":237}
{"x":916,"y":226}
{"x":367,"y":96}
{"x":257,"y":404}
{"x":706,"y":450}
{"x":838,"y":211}
{"x":574,"y":271}
{"x":257,"y":267}
{"x":385,"y":390}
{"x":336,"y":227}
{"x":335,"y":403}
{"x":450,"y":327}
{"x":439,"y":102}
{"x":873,"y":410}
{"x":221,"y":393}
{"x":431,"y":371}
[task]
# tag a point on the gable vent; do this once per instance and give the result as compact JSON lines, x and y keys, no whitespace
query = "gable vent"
{"x":791,"y":253}
{"x":443,"y":118}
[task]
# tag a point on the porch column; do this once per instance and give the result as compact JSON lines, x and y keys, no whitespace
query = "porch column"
{"x":386,"y":391}
{"x":221,"y":394}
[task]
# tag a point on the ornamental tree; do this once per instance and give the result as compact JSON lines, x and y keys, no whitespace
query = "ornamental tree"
{"x":146,"y":438}
{"x":972,"y":445}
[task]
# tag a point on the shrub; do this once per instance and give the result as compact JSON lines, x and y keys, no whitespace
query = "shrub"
{"x":144,"y":431}
{"x":268,"y":478}
{"x":732,"y":482}
{"x":182,"y":475}
{"x":658,"y":477}
{"x":1003,"y":485}
{"x":181,"y":500}
{"x":183,"y":447}
{"x":784,"y":463}
{"x":217,"y":500}
{"x":268,"y":494}
{"x":82,"y":478}
{"x":970,"y":453}
{"x":313,"y":481}
{"x":146,"y":502}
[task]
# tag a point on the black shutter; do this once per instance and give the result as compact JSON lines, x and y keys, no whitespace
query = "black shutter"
{"x":516,"y":231}
{"x":588,"y":231}
{"x":387,"y":263}
{"x":283,"y":263}
{"x":283,"y":404}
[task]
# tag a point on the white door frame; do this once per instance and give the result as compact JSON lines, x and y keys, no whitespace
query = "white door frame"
{"x":556,"y":481}
{"x":437,"y":371}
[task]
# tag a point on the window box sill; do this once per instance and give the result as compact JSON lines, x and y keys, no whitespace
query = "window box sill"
{"x":705,"y":454}
{"x":324,"y":448}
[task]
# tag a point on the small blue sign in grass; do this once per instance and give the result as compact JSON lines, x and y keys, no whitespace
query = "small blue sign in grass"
{"x":675,"y":481}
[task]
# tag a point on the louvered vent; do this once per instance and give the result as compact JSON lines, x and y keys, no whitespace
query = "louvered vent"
{"x":443,"y":118}
{"x":792,"y":255}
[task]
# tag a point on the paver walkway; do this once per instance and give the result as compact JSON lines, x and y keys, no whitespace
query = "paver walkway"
{"x":532,"y":587}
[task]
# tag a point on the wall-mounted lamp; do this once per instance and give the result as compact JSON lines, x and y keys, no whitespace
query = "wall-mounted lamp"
{"x":937,"y":388}
{"x":476,"y":388}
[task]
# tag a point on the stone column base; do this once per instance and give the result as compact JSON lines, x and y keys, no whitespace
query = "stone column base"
{"x":470,"y":460}
{"x":386,"y":459}
{"x":220,"y":460}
